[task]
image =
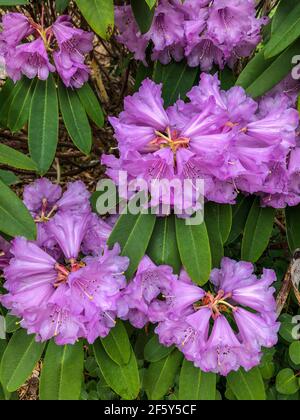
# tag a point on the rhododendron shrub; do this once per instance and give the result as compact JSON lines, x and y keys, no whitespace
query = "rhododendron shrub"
{"x":149,"y":251}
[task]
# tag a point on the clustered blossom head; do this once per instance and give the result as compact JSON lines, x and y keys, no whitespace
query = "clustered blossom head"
{"x":219,"y":332}
{"x":206,"y":32}
{"x":66,"y":44}
{"x":66,"y":284}
{"x":225,"y":138}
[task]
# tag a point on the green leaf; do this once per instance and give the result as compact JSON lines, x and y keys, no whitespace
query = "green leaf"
{"x":294,"y":352}
{"x":292,"y":215}
{"x":75,"y":118}
{"x":12,"y":324}
{"x":261,"y":75}
{"x":154,"y":351}
{"x":195,"y":384}
{"x":257,"y":232}
{"x":6,"y":95}
{"x":19,"y":359}
{"x":163,"y":248}
{"x":61,"y":5}
{"x":286,"y":328}
{"x":99,"y":14}
{"x":194,"y":250}
{"x":240,"y":212}
{"x":91,"y":104}
{"x":143,"y":14}
{"x":287,"y":382}
{"x":117,"y":344}
{"x":133,"y":233}
{"x":160,"y":376}
{"x":124,"y":380}
{"x":247,"y":385}
{"x":218,"y":219}
{"x":43,"y":124}
{"x":62,"y":373}
{"x":8,"y":177}
{"x":177,"y":79}
{"x":15,"y":219}
{"x":142,"y":73}
{"x":283,"y":10}
{"x":12,"y":2}
{"x":20,"y":103}
{"x":11,"y":157}
{"x":287,"y":31}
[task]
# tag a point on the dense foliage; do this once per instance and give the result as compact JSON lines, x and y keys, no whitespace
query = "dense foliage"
{"x":145,"y":305}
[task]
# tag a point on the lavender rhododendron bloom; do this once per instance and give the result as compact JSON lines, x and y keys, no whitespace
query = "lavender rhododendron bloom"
{"x":239,"y":296}
{"x":65,"y":285}
{"x":66,"y":299}
{"x":60,"y":47}
{"x":205,"y":32}
{"x":224,"y":138}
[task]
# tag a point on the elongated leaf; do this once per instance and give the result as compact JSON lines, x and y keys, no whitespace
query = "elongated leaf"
{"x":6,"y":96}
{"x":117,"y":344}
{"x":124,"y":380}
{"x":133,"y":233}
{"x":194,"y":250}
{"x":11,"y":157}
{"x":195,"y":384}
{"x":75,"y":119}
{"x":19,"y":106}
{"x":159,"y":377}
{"x":62,"y":372}
{"x":154,"y":351}
{"x":99,"y":15}
{"x":287,"y":31}
{"x":43,"y":124}
{"x":177,"y":79}
{"x":247,"y":385}
{"x":292,"y":215}
{"x":257,"y":232}
{"x":240,"y":213}
{"x":163,"y":249}
{"x":261,"y":74}
{"x":15,"y":219}
{"x":19,"y":360}
{"x":143,"y":14}
{"x":283,"y":10}
{"x":294,"y":353}
{"x":218,"y":219}
{"x":91,"y":104}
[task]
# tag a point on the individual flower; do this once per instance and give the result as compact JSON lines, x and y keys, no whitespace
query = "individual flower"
{"x":43,"y":198}
{"x":30,"y":59}
{"x":74,"y":43}
{"x":223,"y":331}
{"x":66,"y":298}
{"x":15,"y":27}
{"x":73,"y":74}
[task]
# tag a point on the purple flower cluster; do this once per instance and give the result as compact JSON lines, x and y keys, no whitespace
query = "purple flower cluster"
{"x":67,"y":43}
{"x":205,"y":32}
{"x":219,"y":332}
{"x":225,"y":138}
{"x":65,"y":285}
